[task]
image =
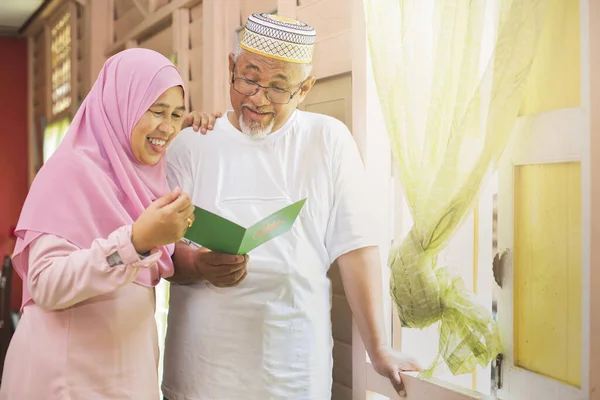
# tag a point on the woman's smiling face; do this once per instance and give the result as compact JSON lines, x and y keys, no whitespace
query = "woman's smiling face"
{"x":159,"y":125}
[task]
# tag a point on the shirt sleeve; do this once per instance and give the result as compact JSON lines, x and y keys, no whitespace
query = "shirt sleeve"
{"x":62,"y":275}
{"x":350,"y":226}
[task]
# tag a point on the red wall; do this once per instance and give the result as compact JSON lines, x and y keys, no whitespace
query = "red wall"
{"x":13,"y":151}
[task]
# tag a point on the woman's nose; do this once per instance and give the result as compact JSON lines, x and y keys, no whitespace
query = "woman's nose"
{"x":166,"y":128}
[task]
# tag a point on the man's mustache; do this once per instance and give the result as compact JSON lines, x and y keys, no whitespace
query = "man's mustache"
{"x":257,"y":110}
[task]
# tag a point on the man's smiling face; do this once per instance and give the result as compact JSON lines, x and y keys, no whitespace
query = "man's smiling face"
{"x":256,"y":115}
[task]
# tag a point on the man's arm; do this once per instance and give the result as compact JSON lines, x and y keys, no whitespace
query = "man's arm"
{"x":360,"y":271}
{"x":361,"y":276}
{"x":198,"y":265}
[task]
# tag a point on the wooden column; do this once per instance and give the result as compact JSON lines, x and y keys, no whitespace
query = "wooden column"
{"x":590,"y":11}
{"x":287,"y":8}
{"x":98,"y":24}
{"x":110,"y":23}
{"x":181,"y":46}
{"x":219,"y":27}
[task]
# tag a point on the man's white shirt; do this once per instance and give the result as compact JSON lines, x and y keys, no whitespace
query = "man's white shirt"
{"x":269,"y":337}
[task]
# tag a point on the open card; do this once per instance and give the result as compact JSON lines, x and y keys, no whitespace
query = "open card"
{"x":221,"y":235}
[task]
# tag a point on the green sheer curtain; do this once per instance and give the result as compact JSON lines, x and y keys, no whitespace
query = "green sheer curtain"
{"x":449,"y":110}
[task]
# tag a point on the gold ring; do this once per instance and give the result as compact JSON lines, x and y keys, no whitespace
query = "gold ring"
{"x":190,"y":222}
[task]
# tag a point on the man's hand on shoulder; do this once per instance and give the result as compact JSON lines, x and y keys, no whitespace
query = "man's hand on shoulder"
{"x":221,"y":270}
{"x":201,"y":121}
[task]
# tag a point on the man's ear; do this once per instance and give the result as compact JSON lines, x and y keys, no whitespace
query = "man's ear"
{"x":231,"y":65}
{"x":306,"y":86}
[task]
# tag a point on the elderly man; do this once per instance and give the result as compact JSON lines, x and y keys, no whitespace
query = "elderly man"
{"x":259,"y":328}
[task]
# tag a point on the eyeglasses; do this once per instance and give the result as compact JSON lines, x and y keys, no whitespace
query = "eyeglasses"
{"x":273,"y":94}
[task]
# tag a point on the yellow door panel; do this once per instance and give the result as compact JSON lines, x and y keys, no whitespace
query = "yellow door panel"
{"x":547,"y":270}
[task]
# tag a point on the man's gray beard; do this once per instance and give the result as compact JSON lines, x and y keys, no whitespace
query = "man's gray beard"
{"x":258,"y":132}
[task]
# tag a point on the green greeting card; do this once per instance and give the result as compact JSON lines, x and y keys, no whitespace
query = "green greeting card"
{"x":221,"y":235}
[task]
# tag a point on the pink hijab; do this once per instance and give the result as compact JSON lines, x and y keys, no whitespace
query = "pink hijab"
{"x":93,"y":185}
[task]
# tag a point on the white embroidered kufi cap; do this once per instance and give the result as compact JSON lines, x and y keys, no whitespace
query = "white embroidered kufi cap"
{"x":279,"y":37}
